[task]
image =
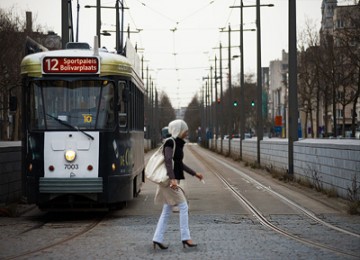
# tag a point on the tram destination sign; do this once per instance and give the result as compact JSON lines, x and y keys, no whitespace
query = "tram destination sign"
{"x":70,"y":65}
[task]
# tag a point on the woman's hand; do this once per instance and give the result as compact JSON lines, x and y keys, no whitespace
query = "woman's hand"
{"x":173,"y":184}
{"x":199,"y":176}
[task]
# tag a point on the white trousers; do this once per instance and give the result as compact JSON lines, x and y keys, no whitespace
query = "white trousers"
{"x":163,"y":221}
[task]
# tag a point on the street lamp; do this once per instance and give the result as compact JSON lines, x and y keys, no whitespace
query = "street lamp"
{"x":108,"y":32}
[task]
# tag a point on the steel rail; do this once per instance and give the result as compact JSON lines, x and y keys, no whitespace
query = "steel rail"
{"x":262,"y":219}
{"x":37,"y":250}
{"x":292,"y":203}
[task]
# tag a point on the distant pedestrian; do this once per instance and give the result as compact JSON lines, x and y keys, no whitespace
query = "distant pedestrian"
{"x":171,"y":194}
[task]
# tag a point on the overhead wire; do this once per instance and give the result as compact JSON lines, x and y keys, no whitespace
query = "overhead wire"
{"x":178,"y":26}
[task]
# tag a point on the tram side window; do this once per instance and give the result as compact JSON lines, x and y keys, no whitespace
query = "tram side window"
{"x":37,"y":109}
{"x":132,"y":106}
{"x":136,"y":117}
{"x":122,"y":111}
{"x":137,"y":105}
{"x":139,"y":110}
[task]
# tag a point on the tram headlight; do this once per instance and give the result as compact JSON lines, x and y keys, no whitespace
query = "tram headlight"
{"x":70,"y":155}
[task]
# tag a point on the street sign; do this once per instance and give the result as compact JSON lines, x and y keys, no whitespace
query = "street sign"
{"x":278,"y":120}
{"x":70,"y":65}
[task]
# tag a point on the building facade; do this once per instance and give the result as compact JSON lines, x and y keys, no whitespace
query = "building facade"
{"x":278,"y":89}
{"x":340,"y":30}
{"x":337,"y":83}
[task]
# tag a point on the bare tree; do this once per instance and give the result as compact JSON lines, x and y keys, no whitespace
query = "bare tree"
{"x":166,"y":111}
{"x":11,"y":54}
{"x":330,"y":67}
{"x":192,"y":117}
{"x":307,"y":88}
{"x":348,"y":40}
{"x":231,"y":111}
{"x":308,"y":73}
{"x":13,"y":34}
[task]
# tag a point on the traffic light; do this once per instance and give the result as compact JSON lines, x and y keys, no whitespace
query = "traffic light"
{"x":252,"y":103}
{"x":235,"y":103}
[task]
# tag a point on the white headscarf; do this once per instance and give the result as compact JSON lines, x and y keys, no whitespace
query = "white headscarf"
{"x":177,"y":127}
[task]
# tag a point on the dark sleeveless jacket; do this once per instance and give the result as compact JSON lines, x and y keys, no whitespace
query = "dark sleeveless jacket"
{"x":179,"y":166}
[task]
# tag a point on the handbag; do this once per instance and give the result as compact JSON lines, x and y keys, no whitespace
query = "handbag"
{"x":155,"y":169}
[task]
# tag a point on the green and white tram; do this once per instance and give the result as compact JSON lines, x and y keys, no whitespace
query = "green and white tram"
{"x":83,"y":119}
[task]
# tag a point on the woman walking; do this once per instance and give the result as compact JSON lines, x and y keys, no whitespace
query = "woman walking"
{"x":171,"y":194}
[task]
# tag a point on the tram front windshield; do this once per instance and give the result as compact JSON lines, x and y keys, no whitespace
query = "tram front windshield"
{"x":59,"y":104}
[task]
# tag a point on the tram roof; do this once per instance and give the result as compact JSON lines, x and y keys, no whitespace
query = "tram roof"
{"x":110,"y":63}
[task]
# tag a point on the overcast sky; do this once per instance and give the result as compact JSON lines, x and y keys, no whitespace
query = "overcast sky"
{"x":180,"y":37}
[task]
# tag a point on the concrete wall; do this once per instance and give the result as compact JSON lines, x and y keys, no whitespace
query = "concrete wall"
{"x":10,"y":172}
{"x":329,"y":163}
{"x":332,"y":163}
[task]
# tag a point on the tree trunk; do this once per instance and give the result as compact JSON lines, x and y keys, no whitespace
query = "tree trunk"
{"x":306,"y":124}
{"x":311,"y":124}
{"x":334,"y":110}
{"x":326,"y":119}
{"x":343,"y":122}
{"x":354,"y":116}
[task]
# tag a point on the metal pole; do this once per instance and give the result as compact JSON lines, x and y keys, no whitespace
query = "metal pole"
{"x":211,"y":103}
{"x":122,"y":27}
{"x":156,"y":119}
{"x":203,"y":119}
{"x":98,"y":21}
{"x":202,"y":114}
{"x":216,"y":107}
{"x":230,"y":95}
{"x":117,"y":27}
{"x":259,"y":84}
{"x":293,"y":105}
{"x":147,"y":104}
{"x":77,"y":21}
{"x":242,"y":105}
{"x":207,"y":115}
{"x":221,"y":101}
{"x":152,"y":112}
{"x":65,"y":22}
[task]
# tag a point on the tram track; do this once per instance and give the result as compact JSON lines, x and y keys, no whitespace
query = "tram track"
{"x":211,"y":164}
{"x":26,"y":253}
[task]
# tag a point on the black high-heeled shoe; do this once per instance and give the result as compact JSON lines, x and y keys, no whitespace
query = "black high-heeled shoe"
{"x":186,"y":243}
{"x":161,"y":246}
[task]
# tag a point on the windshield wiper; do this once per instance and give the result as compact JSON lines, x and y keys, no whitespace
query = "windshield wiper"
{"x":71,"y":126}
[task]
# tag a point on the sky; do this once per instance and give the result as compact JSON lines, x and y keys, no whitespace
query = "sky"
{"x":179,"y":39}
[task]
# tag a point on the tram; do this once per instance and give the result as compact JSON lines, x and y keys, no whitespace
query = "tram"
{"x":83,"y":114}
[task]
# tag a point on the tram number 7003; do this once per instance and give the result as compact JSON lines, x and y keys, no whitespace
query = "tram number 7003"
{"x":71,"y":166}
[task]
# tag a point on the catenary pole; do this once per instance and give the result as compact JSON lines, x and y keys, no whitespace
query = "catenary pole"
{"x":293,"y":103}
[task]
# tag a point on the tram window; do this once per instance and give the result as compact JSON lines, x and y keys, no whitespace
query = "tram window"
{"x":122,"y":99}
{"x":132,"y":106}
{"x":121,"y":96}
{"x":56,"y":104}
{"x":37,"y":111}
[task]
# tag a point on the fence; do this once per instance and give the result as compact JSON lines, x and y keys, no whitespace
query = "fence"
{"x":328,"y":163}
